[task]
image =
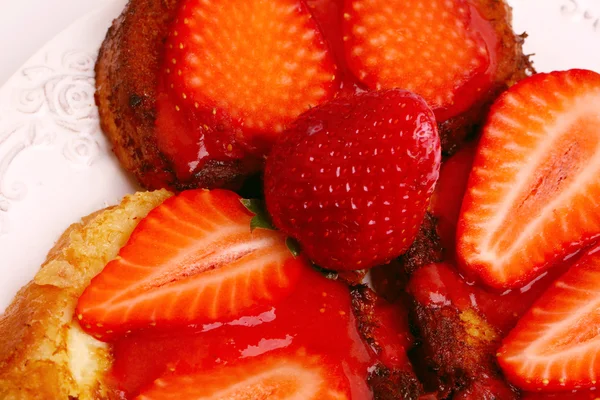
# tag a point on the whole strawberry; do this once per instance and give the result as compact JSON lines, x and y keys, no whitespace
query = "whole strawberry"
{"x":351,"y":178}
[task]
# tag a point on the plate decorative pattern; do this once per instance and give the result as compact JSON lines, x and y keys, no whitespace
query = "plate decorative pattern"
{"x":56,"y":166}
{"x":588,"y":13}
{"x":52,"y":105}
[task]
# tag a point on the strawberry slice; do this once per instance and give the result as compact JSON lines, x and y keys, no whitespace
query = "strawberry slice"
{"x":577,"y":395}
{"x":532,"y":194}
{"x":443,"y":50}
{"x":555,"y":346}
{"x":236,"y":73}
{"x":275,"y":378}
{"x":192,"y":260}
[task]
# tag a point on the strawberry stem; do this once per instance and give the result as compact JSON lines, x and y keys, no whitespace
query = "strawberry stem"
{"x":293,"y":246}
{"x":261,"y":219}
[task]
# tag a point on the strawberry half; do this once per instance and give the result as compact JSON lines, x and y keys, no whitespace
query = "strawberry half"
{"x":555,"y":346}
{"x":235,"y":74}
{"x":192,"y":260}
{"x":442,"y":50}
{"x":532,"y":196}
{"x":351,"y":179}
{"x":275,"y":378}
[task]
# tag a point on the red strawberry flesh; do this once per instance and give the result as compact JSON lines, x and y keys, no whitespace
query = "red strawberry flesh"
{"x":192,"y":260}
{"x":577,"y":395}
{"x":317,"y":316}
{"x":351,"y":178}
{"x":555,"y":345}
{"x":532,"y":193}
{"x":275,"y":378}
{"x":443,"y":50}
{"x":235,"y":74}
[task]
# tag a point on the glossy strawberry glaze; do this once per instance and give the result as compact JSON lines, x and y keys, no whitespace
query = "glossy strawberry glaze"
{"x":449,"y":191}
{"x":316,"y":317}
{"x":190,"y":138}
{"x":469,"y":92}
{"x":184,"y":139}
{"x":329,"y":15}
{"x":440,"y":285}
{"x":579,"y":395}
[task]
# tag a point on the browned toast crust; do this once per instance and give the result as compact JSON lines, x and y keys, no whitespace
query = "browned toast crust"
{"x":126,"y":85}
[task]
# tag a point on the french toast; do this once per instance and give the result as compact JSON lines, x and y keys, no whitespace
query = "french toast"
{"x":46,"y":351}
{"x":44,"y":354}
{"x":128,"y":79}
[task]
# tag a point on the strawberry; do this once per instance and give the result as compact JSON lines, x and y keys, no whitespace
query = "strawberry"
{"x":351,"y":179}
{"x":532,"y":194}
{"x":447,"y":198}
{"x":192,"y":260}
{"x":281,"y":377}
{"x":442,"y":50}
{"x":555,"y":345}
{"x":235,"y":74}
{"x":577,"y":395}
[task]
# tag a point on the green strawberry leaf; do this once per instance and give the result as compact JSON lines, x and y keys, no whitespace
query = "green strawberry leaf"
{"x":293,"y":246}
{"x":329,"y":274}
{"x":261,"y":218}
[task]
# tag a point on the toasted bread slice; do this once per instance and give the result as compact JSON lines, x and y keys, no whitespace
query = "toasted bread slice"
{"x":127,"y":75}
{"x":126,"y":81}
{"x":43,"y":352}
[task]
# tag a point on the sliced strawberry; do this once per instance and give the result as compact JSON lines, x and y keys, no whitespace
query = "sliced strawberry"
{"x":236,"y":73}
{"x":532,"y":194}
{"x":556,"y":345}
{"x":441,"y":49}
{"x":192,"y":260}
{"x":274,"y":378}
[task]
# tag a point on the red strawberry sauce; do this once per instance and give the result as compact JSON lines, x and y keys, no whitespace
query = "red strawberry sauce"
{"x":317,"y":316}
{"x":442,"y":284}
{"x":470,"y":92}
{"x":192,"y":137}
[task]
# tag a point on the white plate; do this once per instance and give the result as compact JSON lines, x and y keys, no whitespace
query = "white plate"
{"x":56,"y":166}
